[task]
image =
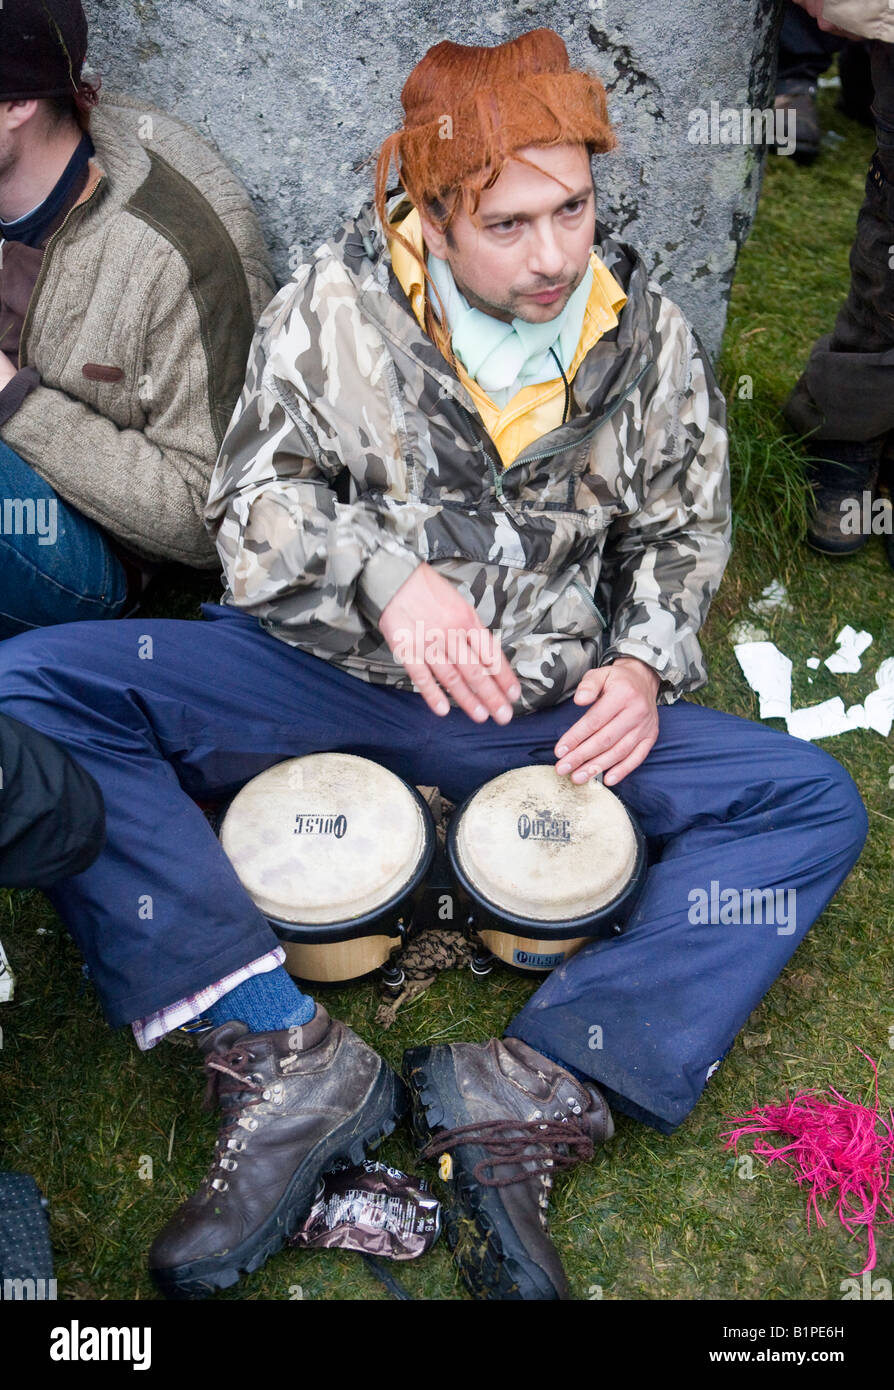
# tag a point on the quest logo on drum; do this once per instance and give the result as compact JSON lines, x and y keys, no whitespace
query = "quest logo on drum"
{"x":310,"y":824}
{"x":543,"y":825}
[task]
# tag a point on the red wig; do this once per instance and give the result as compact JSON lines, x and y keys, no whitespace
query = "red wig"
{"x":468,"y":110}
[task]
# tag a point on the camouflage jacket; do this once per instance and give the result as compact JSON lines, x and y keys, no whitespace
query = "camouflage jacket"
{"x":355,"y":453}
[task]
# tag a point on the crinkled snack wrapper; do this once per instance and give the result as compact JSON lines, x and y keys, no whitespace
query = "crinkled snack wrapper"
{"x":375,"y":1209}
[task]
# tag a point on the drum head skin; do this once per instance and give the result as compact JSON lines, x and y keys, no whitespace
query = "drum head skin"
{"x":543,"y":848}
{"x":327,"y":838}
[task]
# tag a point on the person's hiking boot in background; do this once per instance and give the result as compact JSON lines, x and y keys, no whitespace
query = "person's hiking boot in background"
{"x":839,"y":474}
{"x":803,"y":122}
{"x":805,"y":52}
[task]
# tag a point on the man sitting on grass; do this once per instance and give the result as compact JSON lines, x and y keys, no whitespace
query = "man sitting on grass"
{"x":471,"y":414}
{"x":132,"y":272}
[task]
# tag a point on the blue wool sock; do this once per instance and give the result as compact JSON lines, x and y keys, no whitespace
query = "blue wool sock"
{"x":265,"y":1003}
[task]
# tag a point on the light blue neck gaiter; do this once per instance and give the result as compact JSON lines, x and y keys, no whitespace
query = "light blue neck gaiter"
{"x":505,"y":357}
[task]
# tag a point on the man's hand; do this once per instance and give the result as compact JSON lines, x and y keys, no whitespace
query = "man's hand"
{"x":7,"y":370}
{"x":620,"y":727}
{"x":815,"y":9}
{"x":446,"y":650}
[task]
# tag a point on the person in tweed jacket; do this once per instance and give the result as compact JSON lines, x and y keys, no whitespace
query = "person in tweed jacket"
{"x":132,"y":272}
{"x":472,"y":507}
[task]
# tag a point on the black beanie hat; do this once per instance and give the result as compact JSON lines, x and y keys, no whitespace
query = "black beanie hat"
{"x":43,"y":44}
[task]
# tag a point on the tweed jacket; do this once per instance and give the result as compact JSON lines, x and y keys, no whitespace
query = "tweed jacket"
{"x":136,"y":336}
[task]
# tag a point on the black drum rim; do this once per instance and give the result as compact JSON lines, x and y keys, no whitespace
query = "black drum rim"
{"x":595,"y":923}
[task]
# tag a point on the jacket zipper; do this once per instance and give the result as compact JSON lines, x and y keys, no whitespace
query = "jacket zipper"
{"x":572,"y":444}
{"x":446,"y":383}
{"x":450,"y":386}
{"x":44,"y":266}
{"x":590,"y":601}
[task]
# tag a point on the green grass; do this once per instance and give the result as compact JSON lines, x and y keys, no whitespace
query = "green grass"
{"x":651,"y":1217}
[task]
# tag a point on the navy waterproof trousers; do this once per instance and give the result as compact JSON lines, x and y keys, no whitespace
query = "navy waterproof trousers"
{"x":162,"y":711}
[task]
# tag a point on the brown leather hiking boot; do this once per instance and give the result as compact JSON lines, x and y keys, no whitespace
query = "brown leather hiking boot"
{"x":503,"y":1119}
{"x":802,"y":122}
{"x":294,"y":1103}
{"x":842,"y":478}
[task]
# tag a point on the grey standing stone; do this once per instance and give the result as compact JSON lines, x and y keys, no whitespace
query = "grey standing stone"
{"x":298,"y":94}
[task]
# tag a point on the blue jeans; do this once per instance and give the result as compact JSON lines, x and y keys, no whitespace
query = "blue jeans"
{"x":56,"y":566}
{"x":160,"y":711}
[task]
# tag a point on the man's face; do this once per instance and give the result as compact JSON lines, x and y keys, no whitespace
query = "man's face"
{"x":14,"y":116}
{"x":6,"y":140}
{"x":528,"y":248}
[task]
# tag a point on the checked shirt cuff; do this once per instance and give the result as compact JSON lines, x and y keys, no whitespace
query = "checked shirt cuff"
{"x":148,"y":1031}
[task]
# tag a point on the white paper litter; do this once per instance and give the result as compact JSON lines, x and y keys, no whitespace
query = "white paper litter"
{"x":831,"y":718}
{"x":819,"y":721}
{"x":856,"y":717}
{"x":7,"y":979}
{"x":773,"y":599}
{"x":769,"y":673}
{"x":879,"y":704}
{"x":747,"y":632}
{"x":885,"y":673}
{"x":851,"y":645}
{"x":879,"y":707}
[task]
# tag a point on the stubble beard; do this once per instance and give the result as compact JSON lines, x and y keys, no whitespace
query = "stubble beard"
{"x":10,"y":160}
{"x":517,"y":306}
{"x":7,"y":165}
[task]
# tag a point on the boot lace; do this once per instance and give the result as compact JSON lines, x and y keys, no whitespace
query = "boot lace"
{"x":556,"y":1144}
{"x":236,"y":1090}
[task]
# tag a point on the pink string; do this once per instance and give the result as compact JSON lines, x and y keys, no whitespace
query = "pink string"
{"x":836,"y":1148}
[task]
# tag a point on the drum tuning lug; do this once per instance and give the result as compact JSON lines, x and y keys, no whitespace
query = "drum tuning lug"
{"x":483,"y":964}
{"x":617,"y":928}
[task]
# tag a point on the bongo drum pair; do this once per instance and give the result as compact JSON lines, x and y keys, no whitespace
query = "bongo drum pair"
{"x":336,"y":851}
